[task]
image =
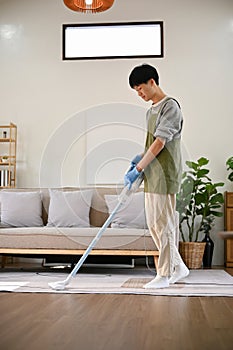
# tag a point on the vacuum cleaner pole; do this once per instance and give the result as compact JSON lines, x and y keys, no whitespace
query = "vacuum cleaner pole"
{"x":126,"y":192}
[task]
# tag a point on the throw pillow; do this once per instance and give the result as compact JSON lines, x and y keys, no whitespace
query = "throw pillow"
{"x":20,"y":209}
{"x":131,"y":214}
{"x":69,"y":208}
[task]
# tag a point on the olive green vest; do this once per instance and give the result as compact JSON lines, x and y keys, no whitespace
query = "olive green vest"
{"x":163,"y":174}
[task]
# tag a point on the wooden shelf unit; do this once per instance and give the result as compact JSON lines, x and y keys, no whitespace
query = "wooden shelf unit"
{"x":8,"y":146}
{"x":228,"y":227}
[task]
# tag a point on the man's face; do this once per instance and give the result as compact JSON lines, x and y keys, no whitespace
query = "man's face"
{"x":146,"y":91}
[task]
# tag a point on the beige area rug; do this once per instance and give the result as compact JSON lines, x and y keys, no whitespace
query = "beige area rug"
{"x":124,"y":281}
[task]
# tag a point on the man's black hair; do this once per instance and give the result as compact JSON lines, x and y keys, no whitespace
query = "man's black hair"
{"x":142,"y":74}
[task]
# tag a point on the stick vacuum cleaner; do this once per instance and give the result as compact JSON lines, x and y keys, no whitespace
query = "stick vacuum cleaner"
{"x":124,"y":195}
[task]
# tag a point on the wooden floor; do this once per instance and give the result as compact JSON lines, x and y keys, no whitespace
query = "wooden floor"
{"x":114,"y":322}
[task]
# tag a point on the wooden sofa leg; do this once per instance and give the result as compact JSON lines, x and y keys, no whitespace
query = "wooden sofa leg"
{"x":156,"y":258}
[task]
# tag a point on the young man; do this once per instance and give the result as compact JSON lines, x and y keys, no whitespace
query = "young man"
{"x":162,"y":166}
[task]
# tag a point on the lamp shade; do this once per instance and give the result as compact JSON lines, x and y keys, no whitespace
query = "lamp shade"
{"x":89,"y":6}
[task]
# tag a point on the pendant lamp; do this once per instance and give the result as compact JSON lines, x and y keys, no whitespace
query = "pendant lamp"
{"x":89,"y":6}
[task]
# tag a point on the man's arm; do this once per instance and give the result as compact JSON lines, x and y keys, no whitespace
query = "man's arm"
{"x":152,"y":152}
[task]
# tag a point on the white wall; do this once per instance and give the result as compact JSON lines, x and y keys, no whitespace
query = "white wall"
{"x":41,"y":93}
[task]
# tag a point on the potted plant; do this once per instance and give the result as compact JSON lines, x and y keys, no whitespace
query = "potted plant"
{"x":198,"y":203}
{"x":229,"y":164}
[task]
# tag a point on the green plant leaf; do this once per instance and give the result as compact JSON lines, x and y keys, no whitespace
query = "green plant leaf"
{"x":219,"y":184}
{"x":216,"y":213}
{"x":216,"y":206}
{"x":202,"y":173}
{"x":230,"y":177}
{"x":191,"y":165}
{"x":200,"y":198}
{"x":200,"y":211}
{"x":202,"y":161}
{"x":217,"y":198}
{"x":229,"y":163}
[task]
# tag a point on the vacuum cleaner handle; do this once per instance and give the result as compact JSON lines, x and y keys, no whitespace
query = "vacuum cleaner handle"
{"x":126,"y":192}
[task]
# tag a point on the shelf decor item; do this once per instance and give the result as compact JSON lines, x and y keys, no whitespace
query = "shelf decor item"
{"x":8,"y":143}
{"x":198,"y":203}
{"x":4,"y":159}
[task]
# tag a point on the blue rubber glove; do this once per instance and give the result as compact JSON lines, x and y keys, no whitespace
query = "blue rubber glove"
{"x":136,"y":159}
{"x":130,"y":177}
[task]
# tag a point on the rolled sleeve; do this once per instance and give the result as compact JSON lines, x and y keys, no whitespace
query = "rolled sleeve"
{"x":169,"y":123}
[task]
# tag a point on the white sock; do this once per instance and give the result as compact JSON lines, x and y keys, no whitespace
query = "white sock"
{"x":157,"y":282}
{"x":181,"y":271}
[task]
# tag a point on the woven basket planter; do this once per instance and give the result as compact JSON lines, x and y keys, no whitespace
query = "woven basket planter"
{"x":192,"y":253}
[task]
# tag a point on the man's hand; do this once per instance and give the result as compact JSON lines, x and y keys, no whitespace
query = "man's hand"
{"x":131,"y":176}
{"x":136,"y":159}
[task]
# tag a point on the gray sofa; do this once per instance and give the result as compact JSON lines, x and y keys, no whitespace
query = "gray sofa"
{"x":129,"y":239}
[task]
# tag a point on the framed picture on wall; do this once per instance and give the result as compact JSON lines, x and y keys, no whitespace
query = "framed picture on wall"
{"x":112,"y":40}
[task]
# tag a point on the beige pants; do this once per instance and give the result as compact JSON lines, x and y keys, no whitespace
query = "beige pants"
{"x":163,"y":227}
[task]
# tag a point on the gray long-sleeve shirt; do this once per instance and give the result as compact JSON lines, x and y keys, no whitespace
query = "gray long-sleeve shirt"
{"x":170,"y":120}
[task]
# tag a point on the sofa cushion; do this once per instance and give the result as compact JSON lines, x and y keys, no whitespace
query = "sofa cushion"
{"x":75,"y":238}
{"x":131,"y":214}
{"x":19,"y":209}
{"x":69,"y":208}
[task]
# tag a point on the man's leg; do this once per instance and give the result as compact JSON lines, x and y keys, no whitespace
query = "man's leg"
{"x":162,"y":223}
